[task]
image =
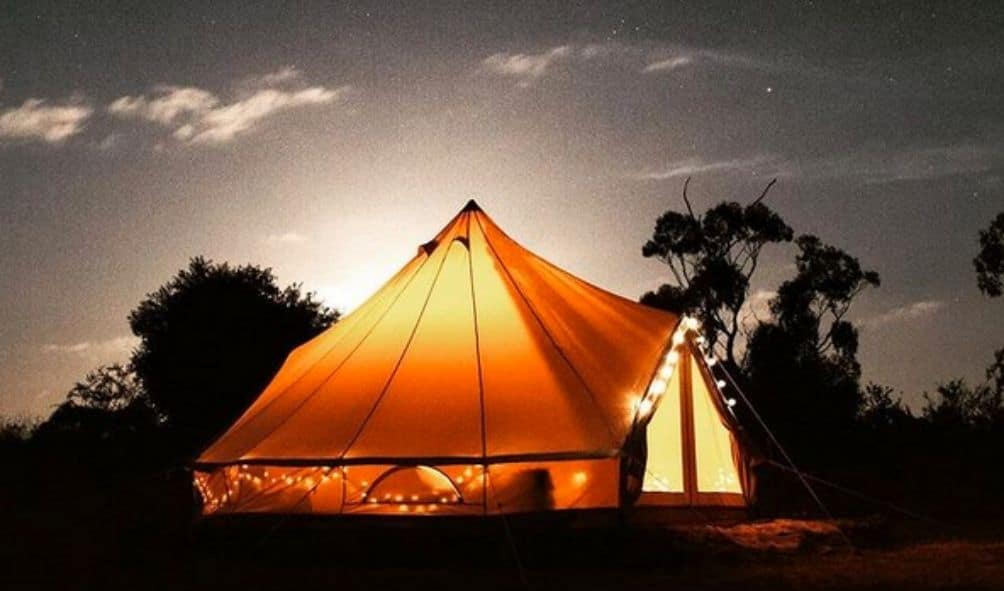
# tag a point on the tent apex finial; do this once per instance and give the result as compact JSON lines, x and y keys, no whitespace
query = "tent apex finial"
{"x":472,"y":206}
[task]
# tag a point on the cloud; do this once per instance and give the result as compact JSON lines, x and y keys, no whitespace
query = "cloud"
{"x":285,"y":238}
{"x":107,"y":350}
{"x":874,"y":165}
{"x":168,"y":105}
{"x":525,"y":67}
{"x":760,"y":164}
{"x":669,"y":64}
{"x":36,"y":120}
{"x":869,"y":165}
{"x":197,"y":116}
{"x":905,"y":313}
{"x":222,"y":124}
{"x":283,"y":75}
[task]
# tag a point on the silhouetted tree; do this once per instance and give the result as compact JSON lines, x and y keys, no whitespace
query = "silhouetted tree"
{"x":880,"y":408}
{"x":956,"y":404}
{"x":989,"y":262}
{"x":712,"y":258}
{"x":108,"y":406}
{"x":211,"y":339}
{"x":802,"y":365}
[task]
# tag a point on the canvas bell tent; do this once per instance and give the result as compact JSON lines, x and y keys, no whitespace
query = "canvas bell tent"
{"x":481,"y":379}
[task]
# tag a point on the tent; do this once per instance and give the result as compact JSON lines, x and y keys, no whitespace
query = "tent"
{"x":481,"y":379}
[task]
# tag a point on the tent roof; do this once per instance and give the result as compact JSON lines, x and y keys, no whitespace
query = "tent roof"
{"x":476,"y":350}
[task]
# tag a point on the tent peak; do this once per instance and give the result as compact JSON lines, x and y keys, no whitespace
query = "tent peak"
{"x":472,"y":206}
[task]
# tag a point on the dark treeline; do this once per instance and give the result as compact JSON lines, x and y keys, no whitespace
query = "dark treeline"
{"x":795,"y":358}
{"x":214,"y":334}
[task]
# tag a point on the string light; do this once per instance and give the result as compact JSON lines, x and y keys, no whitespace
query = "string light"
{"x":657,"y":387}
{"x":730,"y":401}
{"x":721,"y":384}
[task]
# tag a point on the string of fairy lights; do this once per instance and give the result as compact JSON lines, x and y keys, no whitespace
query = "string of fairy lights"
{"x":647,"y":403}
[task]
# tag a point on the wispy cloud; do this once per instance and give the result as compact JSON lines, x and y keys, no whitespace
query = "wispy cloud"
{"x":759,"y":164}
{"x":38,"y":120}
{"x":198,"y":116}
{"x":525,"y":67}
{"x":875,"y":165}
{"x":285,"y":238}
{"x":904,"y":313}
{"x":107,"y":350}
{"x":673,"y":58}
{"x":868,"y":164}
{"x":281,"y":76}
{"x":669,"y":64}
{"x":167,"y":105}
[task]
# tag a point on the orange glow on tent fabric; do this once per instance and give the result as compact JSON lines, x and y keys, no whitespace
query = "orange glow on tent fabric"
{"x":479,"y":374}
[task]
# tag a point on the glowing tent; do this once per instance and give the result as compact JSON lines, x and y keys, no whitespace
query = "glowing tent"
{"x":481,"y":379}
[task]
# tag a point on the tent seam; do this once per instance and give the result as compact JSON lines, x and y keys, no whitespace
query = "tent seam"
{"x":327,"y":378}
{"x":477,"y":354}
{"x":400,"y":359}
{"x":550,"y":337}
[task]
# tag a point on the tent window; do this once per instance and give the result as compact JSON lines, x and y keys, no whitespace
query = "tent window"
{"x":414,"y":484}
{"x":664,"y":470}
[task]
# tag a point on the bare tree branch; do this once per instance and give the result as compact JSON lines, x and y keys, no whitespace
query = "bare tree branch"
{"x":686,"y":184}
{"x":765,"y":190}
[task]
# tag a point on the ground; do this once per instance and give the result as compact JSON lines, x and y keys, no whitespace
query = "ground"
{"x":76,"y":545}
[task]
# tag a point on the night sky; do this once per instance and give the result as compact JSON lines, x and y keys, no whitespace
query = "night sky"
{"x":328,"y":140}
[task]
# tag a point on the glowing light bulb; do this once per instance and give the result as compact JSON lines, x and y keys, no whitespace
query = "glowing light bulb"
{"x":678,"y":338}
{"x":710,"y":361}
{"x":657,"y":387}
{"x":666,"y":372}
{"x":730,"y":401}
{"x":579,"y":478}
{"x":721,"y":384}
{"x":701,"y":340}
{"x":673,"y":356}
{"x":644,"y":407}
{"x":692,"y":323}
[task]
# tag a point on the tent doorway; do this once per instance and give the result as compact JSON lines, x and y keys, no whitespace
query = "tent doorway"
{"x":693,"y":456}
